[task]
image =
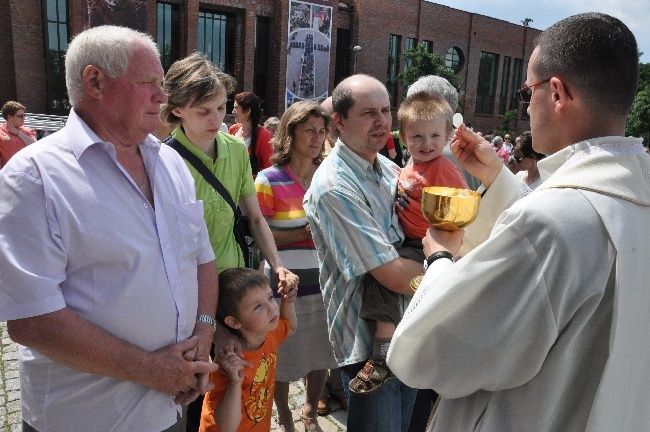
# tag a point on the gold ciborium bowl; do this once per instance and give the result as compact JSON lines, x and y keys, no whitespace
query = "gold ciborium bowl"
{"x":449,"y":209}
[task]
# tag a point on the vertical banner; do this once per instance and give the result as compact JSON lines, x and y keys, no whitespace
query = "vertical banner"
{"x":308,"y":52}
{"x":126,"y":13}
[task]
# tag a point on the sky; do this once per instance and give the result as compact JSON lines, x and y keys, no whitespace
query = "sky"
{"x":634,"y":13}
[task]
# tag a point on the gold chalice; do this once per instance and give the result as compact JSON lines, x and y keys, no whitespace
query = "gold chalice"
{"x":448,"y":209}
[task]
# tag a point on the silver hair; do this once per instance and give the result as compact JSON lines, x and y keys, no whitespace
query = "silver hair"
{"x":435,"y":85}
{"x":108,"y":47}
{"x":497,"y":140}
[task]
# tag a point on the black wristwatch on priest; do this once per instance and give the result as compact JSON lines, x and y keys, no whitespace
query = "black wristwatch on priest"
{"x":436,"y":256}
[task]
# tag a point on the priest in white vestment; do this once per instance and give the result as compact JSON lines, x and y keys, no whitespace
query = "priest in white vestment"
{"x":545,"y":325}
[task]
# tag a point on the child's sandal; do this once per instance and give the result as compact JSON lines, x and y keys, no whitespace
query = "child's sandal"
{"x":372,"y":376}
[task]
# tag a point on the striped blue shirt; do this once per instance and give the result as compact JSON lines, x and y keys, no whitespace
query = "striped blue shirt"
{"x":351,"y":210}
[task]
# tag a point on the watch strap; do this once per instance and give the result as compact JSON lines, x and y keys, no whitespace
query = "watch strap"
{"x":207,"y":319}
{"x":436,"y":256}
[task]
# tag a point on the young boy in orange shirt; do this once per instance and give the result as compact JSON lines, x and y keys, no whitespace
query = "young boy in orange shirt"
{"x":242,"y":399}
{"x":425,"y":124}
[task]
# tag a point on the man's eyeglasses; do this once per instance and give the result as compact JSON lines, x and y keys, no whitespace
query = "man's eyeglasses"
{"x":526,"y":93}
{"x":20,"y":115}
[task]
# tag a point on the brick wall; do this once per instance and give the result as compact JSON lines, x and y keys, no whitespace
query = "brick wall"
{"x":27,"y":36}
{"x":372,"y":24}
{"x":447,"y":28}
{"x":8,"y":77}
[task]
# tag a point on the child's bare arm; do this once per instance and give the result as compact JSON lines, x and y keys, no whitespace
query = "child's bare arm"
{"x":228,"y":413}
{"x":288,"y":311}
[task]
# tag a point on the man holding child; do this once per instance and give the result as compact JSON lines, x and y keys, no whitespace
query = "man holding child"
{"x":351,"y":209}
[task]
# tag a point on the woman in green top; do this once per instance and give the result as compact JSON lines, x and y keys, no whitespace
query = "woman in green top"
{"x":197,"y":91}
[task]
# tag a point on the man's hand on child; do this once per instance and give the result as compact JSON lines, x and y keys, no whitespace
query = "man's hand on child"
{"x":402,"y":201}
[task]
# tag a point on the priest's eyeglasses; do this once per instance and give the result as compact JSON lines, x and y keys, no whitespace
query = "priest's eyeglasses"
{"x":526,"y":93}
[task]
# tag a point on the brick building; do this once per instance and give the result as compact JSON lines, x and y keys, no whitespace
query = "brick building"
{"x":249,"y":38}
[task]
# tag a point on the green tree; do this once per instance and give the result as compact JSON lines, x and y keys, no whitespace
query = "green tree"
{"x":505,"y":126}
{"x":638,"y":122}
{"x":644,"y":74}
{"x":423,"y":63}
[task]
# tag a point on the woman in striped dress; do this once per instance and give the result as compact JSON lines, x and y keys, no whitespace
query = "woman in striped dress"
{"x":298,"y":144}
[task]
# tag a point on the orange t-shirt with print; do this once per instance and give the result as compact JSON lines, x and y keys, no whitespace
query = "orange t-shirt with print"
{"x":257,"y":388}
{"x":413,"y":178}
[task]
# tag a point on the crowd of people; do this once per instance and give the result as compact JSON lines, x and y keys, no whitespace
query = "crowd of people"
{"x":141,"y":312}
{"x":307,"y":68}
{"x":519,"y":157}
{"x":300,"y":17}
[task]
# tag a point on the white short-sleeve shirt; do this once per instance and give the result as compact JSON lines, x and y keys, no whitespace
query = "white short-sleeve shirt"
{"x":76,"y":232}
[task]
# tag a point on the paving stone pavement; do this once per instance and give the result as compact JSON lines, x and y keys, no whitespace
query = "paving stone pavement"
{"x":10,"y":418}
{"x":334,"y":422}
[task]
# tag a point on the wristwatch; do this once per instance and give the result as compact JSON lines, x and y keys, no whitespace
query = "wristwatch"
{"x":436,"y":256}
{"x":207,"y":319}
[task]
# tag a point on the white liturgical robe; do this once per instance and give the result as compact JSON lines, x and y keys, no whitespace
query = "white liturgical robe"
{"x":546,"y":325}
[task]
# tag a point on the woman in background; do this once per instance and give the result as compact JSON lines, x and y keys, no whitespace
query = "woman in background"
{"x":271,"y":125}
{"x":526,"y":160}
{"x":298,"y":144}
{"x":247,"y":127}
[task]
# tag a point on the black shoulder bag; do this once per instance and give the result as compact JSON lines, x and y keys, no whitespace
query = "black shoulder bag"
{"x":241,"y":228}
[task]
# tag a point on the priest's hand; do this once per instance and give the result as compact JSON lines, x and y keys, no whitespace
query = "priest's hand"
{"x":438,"y":240}
{"x":476,"y":155}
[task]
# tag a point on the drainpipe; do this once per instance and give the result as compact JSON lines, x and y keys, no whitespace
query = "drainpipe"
{"x":354,"y":39}
{"x":469,"y":50}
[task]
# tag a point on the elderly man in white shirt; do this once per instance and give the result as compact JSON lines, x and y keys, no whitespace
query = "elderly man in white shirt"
{"x":544,"y":326}
{"x":108,"y":281}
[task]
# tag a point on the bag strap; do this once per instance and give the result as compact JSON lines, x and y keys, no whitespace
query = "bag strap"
{"x":204,"y":171}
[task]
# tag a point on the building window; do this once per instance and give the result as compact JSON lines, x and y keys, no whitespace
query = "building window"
{"x":55,"y":16}
{"x":216,"y":39}
{"x":394,"y":44}
{"x":343,"y":53}
{"x":516,"y":83}
{"x":454,"y":59}
{"x":167,"y":31}
{"x":428,"y":45}
{"x":261,"y":75}
{"x":410,"y":44}
{"x":503,"y":95}
{"x":487,"y":75}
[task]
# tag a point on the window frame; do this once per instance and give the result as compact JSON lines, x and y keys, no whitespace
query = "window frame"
{"x":57,"y":100}
{"x":459,"y":60}
{"x":225,"y":58}
{"x":394,"y":51}
{"x":486,"y":80}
